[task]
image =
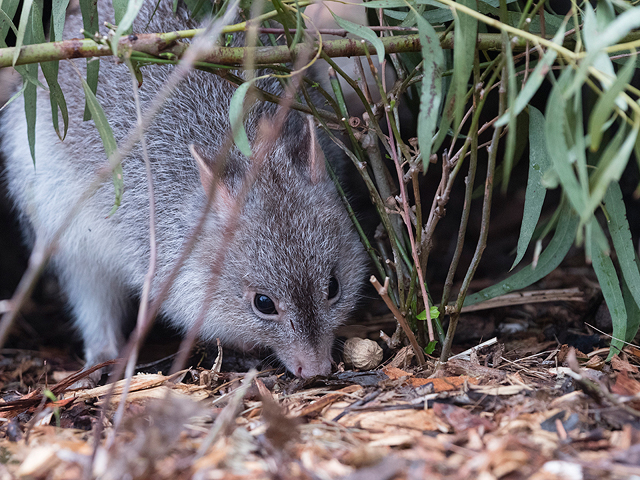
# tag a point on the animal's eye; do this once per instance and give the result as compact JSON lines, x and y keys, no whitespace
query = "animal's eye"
{"x":334,"y":288}
{"x":264,"y":304}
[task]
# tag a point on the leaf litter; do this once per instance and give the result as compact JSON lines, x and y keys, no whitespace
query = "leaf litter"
{"x":537,"y":401}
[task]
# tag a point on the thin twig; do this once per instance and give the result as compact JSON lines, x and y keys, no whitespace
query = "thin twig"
{"x":269,"y":132}
{"x":383,"y":292}
{"x":199,"y":46}
{"x":153,"y":255}
{"x":484,"y":226}
{"x":466,"y":211}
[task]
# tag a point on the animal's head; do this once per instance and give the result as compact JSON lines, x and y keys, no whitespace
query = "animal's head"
{"x":293,"y":265}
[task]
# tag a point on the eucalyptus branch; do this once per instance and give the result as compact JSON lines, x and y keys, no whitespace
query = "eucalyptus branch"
{"x":170,"y":46}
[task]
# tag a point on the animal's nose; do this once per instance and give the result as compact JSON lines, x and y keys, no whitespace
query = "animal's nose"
{"x":310,"y":367}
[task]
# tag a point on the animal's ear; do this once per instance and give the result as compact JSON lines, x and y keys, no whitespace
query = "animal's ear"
{"x":204,"y":168}
{"x":303,"y":147}
{"x":210,"y":183}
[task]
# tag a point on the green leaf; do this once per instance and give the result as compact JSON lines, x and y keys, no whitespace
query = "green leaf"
{"x":608,"y":280}
{"x":435,"y":313}
{"x":623,"y":244}
{"x":387,"y":4}
{"x":611,"y":165}
{"x":300,"y":27}
{"x":465,"y":33}
{"x":29,"y":72}
{"x":119,"y":10}
{"x":108,"y":140}
{"x":30,"y":103}
{"x":539,"y":163}
{"x":535,"y":80}
{"x":58,"y":15}
{"x":362,"y":32}
{"x":495,"y":3}
{"x":50,"y":71}
{"x":236,"y":116}
{"x":596,"y":41}
{"x":633,"y":312}
{"x":511,"y":98}
{"x":438,"y":15}
{"x":8,"y":10}
{"x":606,"y":103}
{"x":431,"y":346}
{"x":15,"y":95}
{"x":617,"y":29}
{"x":549,"y":259}
{"x":592,"y":29}
{"x":431,"y":91}
{"x":22,"y":28}
{"x":124,"y":25}
{"x":557,"y":147}
{"x":89,"y":9}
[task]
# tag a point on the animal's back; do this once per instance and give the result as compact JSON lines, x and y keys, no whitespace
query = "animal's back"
{"x":196,"y":113}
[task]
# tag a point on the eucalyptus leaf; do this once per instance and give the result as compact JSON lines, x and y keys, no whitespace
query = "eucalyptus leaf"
{"x":539,"y":163}
{"x":495,"y":3}
{"x":23,"y":26}
{"x":438,"y":15}
{"x":612,"y":164}
{"x":119,"y":10}
{"x":108,"y":140}
{"x":465,"y":34}
{"x":30,"y":91}
{"x":617,"y":29}
{"x":605,"y":104}
{"x":8,"y":10}
{"x":557,"y":146}
{"x":30,"y":103}
{"x":549,"y":260}
{"x":126,"y":23}
{"x":362,"y":32}
{"x":535,"y":80}
{"x":396,"y":15}
{"x":89,"y":9}
{"x":50,"y":71}
{"x":431,"y":91}
{"x":511,"y":99}
{"x":236,"y":116}
{"x":633,"y":312}
{"x":623,"y":245}
{"x":608,"y":280}
{"x":58,"y":15}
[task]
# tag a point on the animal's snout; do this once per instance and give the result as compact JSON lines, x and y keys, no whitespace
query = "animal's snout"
{"x":307,"y":367}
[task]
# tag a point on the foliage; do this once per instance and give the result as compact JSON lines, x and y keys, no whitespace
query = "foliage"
{"x":468,"y":52}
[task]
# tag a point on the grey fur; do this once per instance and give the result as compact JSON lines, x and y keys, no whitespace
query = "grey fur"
{"x":293,"y":234}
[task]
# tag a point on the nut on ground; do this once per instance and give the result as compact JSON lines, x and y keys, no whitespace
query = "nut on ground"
{"x":362,"y":353}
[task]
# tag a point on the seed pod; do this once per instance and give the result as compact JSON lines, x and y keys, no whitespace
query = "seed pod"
{"x":362,"y":353}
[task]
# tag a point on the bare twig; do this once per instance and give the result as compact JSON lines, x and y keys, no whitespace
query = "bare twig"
{"x":524,"y":298}
{"x":269,"y":132}
{"x":383,"y":292}
{"x":182,"y":70}
{"x":466,"y":210}
{"x":484,"y":226}
{"x":226,"y":419}
{"x":153,"y":251}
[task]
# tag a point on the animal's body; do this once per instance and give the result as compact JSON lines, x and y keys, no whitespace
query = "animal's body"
{"x":292,"y":268}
